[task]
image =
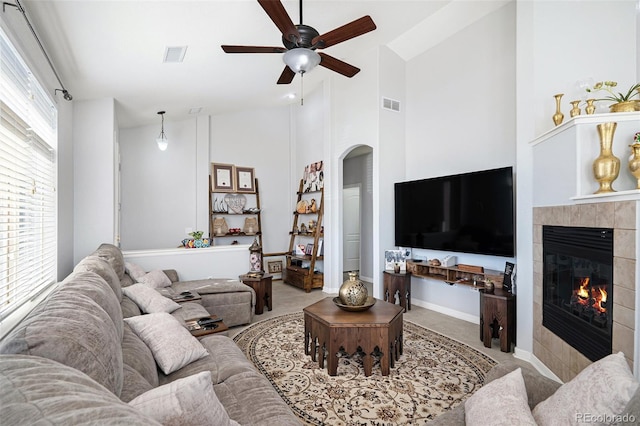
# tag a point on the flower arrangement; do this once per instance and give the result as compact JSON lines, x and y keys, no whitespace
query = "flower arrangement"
{"x":197,"y":235}
{"x":613,"y":96}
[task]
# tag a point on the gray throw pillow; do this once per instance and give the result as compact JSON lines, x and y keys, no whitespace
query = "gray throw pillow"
{"x":149,"y":300}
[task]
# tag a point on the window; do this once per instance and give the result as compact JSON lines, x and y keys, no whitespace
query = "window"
{"x":28,"y":139}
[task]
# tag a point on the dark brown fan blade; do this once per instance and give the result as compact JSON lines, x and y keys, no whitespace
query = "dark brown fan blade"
{"x":280,"y":17}
{"x":252,"y":49}
{"x":337,"y":65}
{"x":345,"y":32}
{"x":287,"y":76}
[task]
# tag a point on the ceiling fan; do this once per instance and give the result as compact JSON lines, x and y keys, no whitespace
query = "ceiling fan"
{"x":301,"y":41}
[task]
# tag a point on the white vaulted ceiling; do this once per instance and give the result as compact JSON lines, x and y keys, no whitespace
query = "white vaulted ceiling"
{"x":115,"y":48}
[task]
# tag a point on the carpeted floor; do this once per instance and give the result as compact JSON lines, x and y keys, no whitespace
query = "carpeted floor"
{"x":434,"y":373}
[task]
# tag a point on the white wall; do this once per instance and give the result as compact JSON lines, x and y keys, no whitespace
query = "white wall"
{"x":461,"y":118}
{"x":260,"y":139}
{"x":94,"y":175}
{"x":158,"y":188}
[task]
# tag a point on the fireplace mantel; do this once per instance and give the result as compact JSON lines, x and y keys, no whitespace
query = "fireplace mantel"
{"x":563,"y":159}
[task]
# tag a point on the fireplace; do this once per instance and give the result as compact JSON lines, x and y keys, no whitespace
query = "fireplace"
{"x":577,"y":287}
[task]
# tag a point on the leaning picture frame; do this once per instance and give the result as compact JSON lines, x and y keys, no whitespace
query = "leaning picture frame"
{"x":245,"y":179}
{"x":222,"y":177}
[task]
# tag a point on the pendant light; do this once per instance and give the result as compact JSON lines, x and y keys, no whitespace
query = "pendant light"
{"x":162,"y":140}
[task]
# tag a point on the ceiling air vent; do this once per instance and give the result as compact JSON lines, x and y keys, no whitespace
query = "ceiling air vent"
{"x":390,"y":104}
{"x":173,"y":54}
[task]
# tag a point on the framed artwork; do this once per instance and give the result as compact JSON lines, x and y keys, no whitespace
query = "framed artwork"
{"x":320,"y":247}
{"x":274,"y":267}
{"x":300,"y":249}
{"x":308,"y":249}
{"x":313,"y":179}
{"x":509,"y":276}
{"x":245,"y":181}
{"x":393,"y":257}
{"x":222,"y":177}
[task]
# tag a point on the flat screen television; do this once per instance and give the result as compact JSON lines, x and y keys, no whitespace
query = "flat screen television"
{"x":468,"y":213}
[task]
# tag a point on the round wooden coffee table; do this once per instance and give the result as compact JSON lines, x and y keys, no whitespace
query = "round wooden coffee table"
{"x":327,"y":328}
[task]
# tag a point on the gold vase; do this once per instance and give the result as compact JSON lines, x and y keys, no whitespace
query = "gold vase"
{"x":590,"y":108}
{"x":607,"y":166}
{"x":627,"y":106}
{"x":353,"y":292}
{"x":575,"y":109}
{"x":634,"y":162}
{"x":558,"y":116}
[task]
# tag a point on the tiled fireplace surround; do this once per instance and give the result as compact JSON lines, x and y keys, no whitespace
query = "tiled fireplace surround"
{"x":562,"y":359}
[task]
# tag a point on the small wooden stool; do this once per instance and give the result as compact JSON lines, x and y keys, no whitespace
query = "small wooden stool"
{"x":498,"y":318}
{"x":400,"y":283}
{"x":262,"y":286}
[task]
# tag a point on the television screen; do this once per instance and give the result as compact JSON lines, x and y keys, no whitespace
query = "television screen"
{"x":469,"y":213}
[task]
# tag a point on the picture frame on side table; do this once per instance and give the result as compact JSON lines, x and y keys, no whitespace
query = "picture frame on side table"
{"x":222,"y":177}
{"x":245,"y":179}
{"x":509,"y":276}
{"x":393,"y":257}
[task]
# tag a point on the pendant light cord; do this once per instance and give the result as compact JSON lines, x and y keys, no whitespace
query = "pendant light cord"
{"x":18,"y":6}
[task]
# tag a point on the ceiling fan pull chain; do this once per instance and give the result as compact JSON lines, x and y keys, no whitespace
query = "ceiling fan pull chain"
{"x":302,"y":89}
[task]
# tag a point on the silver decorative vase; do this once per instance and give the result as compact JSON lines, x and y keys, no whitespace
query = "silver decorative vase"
{"x":353,"y":292}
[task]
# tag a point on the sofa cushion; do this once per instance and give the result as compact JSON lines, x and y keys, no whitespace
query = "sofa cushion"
{"x":155,"y":279}
{"x":188,"y":401}
{"x":137,"y":355}
{"x":603,"y":388}
{"x":133,"y":384}
{"x":36,"y":390}
{"x":506,"y":396}
{"x":134,"y":270}
{"x":101,"y":267}
{"x":71,"y":328}
{"x":113,"y":255}
{"x":149,"y":300}
{"x":172,"y":345}
{"x":92,"y":285}
{"x":129,"y":307}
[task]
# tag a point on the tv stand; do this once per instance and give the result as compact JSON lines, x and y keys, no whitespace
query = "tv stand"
{"x":459,"y":274}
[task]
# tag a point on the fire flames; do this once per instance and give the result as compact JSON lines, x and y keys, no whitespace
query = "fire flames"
{"x":595,"y":298}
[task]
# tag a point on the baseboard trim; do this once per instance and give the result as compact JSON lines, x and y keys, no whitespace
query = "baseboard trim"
{"x":447,"y":311}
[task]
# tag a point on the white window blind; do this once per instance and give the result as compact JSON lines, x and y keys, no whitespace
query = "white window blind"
{"x":28,"y":138}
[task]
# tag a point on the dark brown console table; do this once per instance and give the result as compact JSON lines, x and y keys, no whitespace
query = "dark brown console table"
{"x":397,"y":283}
{"x":498,"y":318}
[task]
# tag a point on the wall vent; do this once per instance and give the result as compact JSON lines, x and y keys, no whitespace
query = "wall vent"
{"x":391,"y":104}
{"x":173,"y":54}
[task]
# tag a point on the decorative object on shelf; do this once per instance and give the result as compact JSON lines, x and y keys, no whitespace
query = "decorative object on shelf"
{"x":607,"y":166}
{"x":558,"y":116}
{"x":219,"y":206}
{"x":590,"y":108}
{"x":312,"y":225}
{"x":396,"y":268}
{"x":245,"y":179}
{"x":236,"y":202}
{"x":353,"y":292}
{"x":222,"y":177}
{"x":302,"y":206}
{"x":250,"y":226}
{"x":489,"y":286}
{"x":393,"y":257}
{"x":634,"y":160}
{"x":220,"y":226}
{"x":255,"y":258}
{"x":575,"y":108}
{"x":313,"y":208}
{"x":162,"y":141}
{"x":196,"y":241}
{"x":623,"y":102}
{"x":303,"y":228}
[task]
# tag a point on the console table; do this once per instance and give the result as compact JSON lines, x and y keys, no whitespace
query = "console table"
{"x":498,"y":318}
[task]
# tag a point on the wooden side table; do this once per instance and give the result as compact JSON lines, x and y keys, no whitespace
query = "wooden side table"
{"x":498,"y":318}
{"x":400,"y":283}
{"x":262,"y":286}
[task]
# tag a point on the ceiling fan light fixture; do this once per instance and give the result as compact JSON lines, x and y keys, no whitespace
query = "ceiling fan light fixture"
{"x":301,"y":60}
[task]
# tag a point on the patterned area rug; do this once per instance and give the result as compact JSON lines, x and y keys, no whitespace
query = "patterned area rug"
{"x":434,"y":373}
